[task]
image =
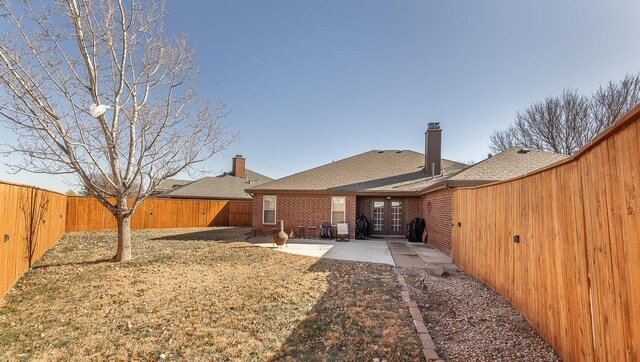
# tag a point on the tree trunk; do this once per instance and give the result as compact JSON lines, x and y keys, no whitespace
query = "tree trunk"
{"x":123,"y":218}
{"x":124,"y":239}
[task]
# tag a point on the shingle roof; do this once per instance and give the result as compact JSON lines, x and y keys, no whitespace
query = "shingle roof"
{"x":373,"y":171}
{"x":393,"y":171}
{"x":508,"y":164}
{"x":171,"y":183}
{"x":225,"y":186}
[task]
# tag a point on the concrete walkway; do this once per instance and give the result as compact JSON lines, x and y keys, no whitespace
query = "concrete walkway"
{"x":397,"y":252}
{"x":374,"y":251}
{"x":418,"y":255}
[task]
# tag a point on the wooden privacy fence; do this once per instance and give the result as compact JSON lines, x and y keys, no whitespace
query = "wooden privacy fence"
{"x":575,"y":273}
{"x":86,"y":213}
{"x":32,"y":221}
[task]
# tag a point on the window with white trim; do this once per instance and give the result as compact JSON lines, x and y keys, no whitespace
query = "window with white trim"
{"x":338,"y":209}
{"x":269,"y":210}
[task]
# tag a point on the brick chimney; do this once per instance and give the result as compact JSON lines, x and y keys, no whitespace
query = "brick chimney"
{"x":238,"y":169}
{"x":433,"y":149}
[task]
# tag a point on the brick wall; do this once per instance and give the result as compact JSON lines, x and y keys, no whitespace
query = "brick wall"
{"x":301,"y":210}
{"x":438,"y":219}
{"x":363,"y":206}
{"x":412,"y":209}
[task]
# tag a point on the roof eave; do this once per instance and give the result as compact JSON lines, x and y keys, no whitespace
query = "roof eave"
{"x":335,"y":192}
{"x":386,"y":193}
{"x":447,"y":184}
{"x":468,"y":183}
{"x":187,"y":197}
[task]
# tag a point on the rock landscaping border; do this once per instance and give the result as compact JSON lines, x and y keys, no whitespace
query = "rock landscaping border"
{"x":468,"y":321}
{"x":428,"y":347}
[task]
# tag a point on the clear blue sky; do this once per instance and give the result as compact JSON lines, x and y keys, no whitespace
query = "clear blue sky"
{"x":311,"y":82}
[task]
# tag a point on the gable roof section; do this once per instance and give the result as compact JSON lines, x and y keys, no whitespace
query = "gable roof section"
{"x":402,"y":172}
{"x":508,"y":164}
{"x":505,"y":165}
{"x":225,"y":186}
{"x":171,"y":184}
{"x":388,"y":171}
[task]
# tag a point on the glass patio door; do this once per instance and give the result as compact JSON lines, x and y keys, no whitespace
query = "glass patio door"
{"x":387,"y":216}
{"x":379,"y":217}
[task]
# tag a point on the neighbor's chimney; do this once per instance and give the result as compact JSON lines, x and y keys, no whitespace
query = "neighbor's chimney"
{"x":432,"y":149}
{"x":238,"y":167}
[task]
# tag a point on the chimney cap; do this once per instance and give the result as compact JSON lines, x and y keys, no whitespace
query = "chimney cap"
{"x":433,"y":125}
{"x":239,"y":156}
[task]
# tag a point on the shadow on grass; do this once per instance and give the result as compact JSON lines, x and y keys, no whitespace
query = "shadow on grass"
{"x":88,"y":262}
{"x":360,"y":317}
{"x":223,"y":234}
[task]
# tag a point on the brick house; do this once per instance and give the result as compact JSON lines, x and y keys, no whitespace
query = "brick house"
{"x":389,"y":187}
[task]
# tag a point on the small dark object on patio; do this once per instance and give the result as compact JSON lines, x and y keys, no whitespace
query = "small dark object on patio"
{"x":415,"y":229}
{"x":325,"y":231}
{"x":437,"y":271}
{"x":362,"y":227}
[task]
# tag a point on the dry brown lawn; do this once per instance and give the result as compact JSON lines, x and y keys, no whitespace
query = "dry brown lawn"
{"x":201,"y":294}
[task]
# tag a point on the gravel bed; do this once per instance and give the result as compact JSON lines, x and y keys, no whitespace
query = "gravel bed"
{"x":468,"y":321}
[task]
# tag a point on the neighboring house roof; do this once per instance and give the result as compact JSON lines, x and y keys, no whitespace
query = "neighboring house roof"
{"x":171,"y":184}
{"x":225,"y":186}
{"x":388,"y":171}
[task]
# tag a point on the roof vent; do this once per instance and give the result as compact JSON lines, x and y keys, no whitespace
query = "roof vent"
{"x":380,"y":151}
{"x":489,"y":155}
{"x":524,"y":150}
{"x":398,"y":151}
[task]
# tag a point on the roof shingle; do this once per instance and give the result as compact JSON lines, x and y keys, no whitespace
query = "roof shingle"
{"x":393,"y":171}
{"x":508,"y":164}
{"x":225,"y":186}
{"x":171,"y":183}
{"x":373,"y":171}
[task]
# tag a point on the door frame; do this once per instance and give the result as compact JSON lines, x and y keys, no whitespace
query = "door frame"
{"x":387,"y":215}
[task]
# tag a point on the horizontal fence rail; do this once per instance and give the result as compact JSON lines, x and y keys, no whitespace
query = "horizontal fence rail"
{"x":32,"y":221}
{"x":86,"y":213}
{"x":563,"y":245}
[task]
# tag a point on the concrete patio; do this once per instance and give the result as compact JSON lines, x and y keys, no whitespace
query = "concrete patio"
{"x":397,"y":252}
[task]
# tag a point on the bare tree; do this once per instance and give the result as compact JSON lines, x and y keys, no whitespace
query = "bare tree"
{"x":559,"y":124}
{"x":565,"y":123}
{"x":613,"y":100}
{"x":60,"y":57}
{"x":34,"y":208}
{"x":106,"y":183}
{"x":505,"y":139}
